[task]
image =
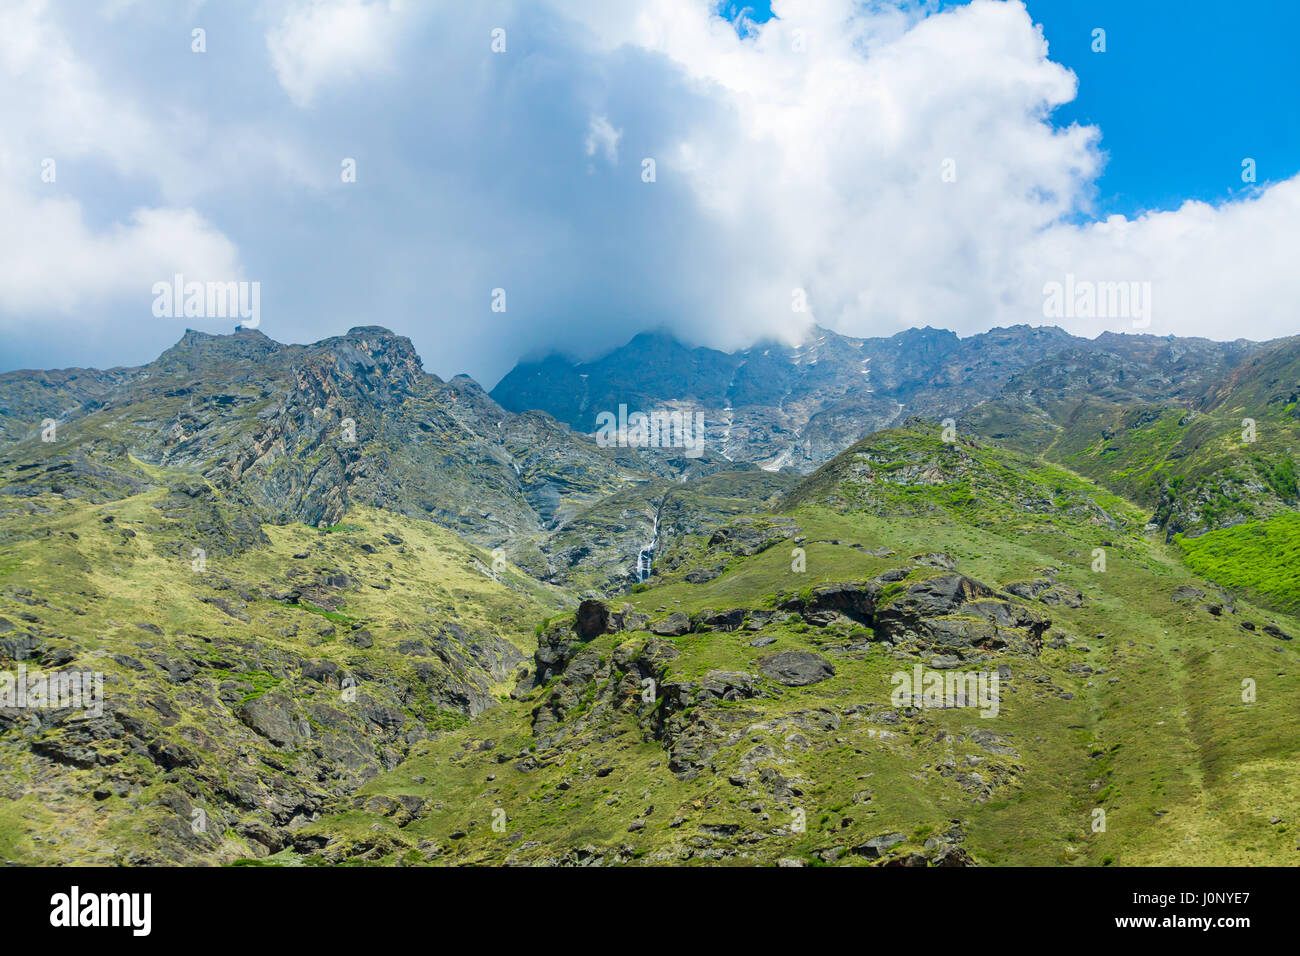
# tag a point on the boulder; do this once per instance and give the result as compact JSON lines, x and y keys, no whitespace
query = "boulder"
{"x":727,"y":685}
{"x":273,"y":716}
{"x":878,"y":846}
{"x":951,"y":855}
{"x":322,"y":671}
{"x":1272,"y":630}
{"x":855,"y":601}
{"x":1029,"y":590}
{"x":720,"y":620}
{"x":796,"y":668}
{"x":1062,"y":595}
{"x":592,"y":619}
{"x":674,"y":625}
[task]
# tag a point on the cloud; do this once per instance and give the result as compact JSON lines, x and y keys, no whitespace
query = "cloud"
{"x":59,"y":264}
{"x":321,"y":41}
{"x":814,"y":155}
{"x":903,"y":169}
{"x":61,"y":120}
{"x":1221,"y":272}
{"x":895,"y":165}
{"x":603,"y":138}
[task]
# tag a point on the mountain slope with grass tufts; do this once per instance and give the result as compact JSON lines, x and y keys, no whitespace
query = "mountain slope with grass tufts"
{"x":474,"y":636}
{"x":750,"y":718}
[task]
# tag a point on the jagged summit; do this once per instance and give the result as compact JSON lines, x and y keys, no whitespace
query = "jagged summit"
{"x":782,"y":407}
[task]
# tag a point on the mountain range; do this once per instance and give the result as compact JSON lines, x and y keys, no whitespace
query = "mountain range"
{"x":793,"y":408}
{"x":347,"y":611}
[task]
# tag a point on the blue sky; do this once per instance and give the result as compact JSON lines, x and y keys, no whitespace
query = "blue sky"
{"x":892,"y":164}
{"x":1184,"y":90}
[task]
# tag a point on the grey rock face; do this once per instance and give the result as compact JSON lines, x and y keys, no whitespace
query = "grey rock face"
{"x":674,"y":625}
{"x":796,"y":668}
{"x":785,"y":407}
{"x":275,"y":718}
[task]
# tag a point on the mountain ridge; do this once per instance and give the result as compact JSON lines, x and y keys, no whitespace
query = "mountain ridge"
{"x":795,"y":407}
{"x":346,"y":611}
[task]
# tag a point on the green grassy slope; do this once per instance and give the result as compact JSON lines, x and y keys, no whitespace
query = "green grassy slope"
{"x":252,"y":692}
{"x":1261,"y":558}
{"x":1220,"y":454}
{"x":1133,"y":705}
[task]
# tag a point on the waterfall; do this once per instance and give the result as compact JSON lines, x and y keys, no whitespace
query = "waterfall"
{"x":646,"y":556}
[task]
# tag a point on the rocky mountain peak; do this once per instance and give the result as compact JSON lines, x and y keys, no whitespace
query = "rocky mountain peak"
{"x":196,"y":350}
{"x":371,"y":361}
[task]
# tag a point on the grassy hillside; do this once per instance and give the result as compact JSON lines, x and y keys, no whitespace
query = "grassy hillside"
{"x":1131,"y":704}
{"x":1200,"y":452}
{"x":253,"y":687}
{"x":1261,"y":558}
{"x":301,"y":666}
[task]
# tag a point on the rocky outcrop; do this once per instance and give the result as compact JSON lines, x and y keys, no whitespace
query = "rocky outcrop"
{"x":796,"y":668}
{"x":674,"y":625}
{"x":274,"y":717}
{"x":592,"y":619}
{"x":1048,"y":591}
{"x":749,"y":536}
{"x":944,"y":610}
{"x":940,"y":610}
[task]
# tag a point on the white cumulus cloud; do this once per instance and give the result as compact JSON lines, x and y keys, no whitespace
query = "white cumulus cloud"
{"x":892,"y":163}
{"x":61,"y":118}
{"x":322,"y":41}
